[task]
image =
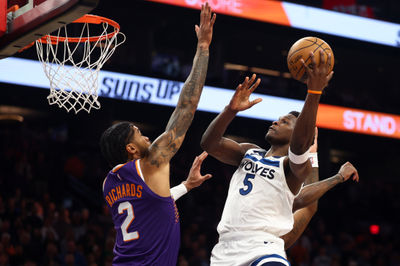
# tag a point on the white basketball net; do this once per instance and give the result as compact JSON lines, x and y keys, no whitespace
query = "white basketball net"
{"x":73,"y":67}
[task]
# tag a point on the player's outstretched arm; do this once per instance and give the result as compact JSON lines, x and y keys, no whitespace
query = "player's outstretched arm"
{"x":302,"y":136}
{"x":306,"y":203}
{"x":167,"y":144}
{"x":224,"y":149}
{"x":311,"y":193}
{"x":194,"y":179}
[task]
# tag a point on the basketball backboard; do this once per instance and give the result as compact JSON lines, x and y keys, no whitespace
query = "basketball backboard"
{"x":35,"y":19}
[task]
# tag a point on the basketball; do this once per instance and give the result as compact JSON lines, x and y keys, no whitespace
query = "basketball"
{"x":302,"y":49}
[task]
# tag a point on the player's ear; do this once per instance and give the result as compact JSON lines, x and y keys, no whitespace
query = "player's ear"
{"x":131,"y":149}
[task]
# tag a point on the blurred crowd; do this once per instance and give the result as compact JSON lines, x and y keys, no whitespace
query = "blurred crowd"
{"x":52,"y":211}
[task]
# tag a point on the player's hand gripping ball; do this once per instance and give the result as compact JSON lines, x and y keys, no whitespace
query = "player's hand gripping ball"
{"x":302,"y":49}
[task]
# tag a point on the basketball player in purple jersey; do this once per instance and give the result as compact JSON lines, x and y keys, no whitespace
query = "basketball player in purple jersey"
{"x":137,"y":189}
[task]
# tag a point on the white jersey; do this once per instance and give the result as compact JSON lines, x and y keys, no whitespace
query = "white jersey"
{"x":259,"y":201}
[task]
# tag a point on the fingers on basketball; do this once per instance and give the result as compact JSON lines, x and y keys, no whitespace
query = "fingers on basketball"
{"x":302,"y":49}
{"x":329,"y":61}
{"x":313,"y":60}
{"x":306,"y":67}
{"x":330,"y":76}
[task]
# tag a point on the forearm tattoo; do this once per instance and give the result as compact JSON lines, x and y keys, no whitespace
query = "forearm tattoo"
{"x":184,"y":112}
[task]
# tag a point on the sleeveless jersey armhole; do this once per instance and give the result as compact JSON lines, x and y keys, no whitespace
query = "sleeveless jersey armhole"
{"x":284,"y":175}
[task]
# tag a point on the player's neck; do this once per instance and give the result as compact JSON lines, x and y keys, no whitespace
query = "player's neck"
{"x":278,"y":150}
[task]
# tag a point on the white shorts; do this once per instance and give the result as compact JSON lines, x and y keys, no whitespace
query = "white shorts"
{"x":249,"y":252}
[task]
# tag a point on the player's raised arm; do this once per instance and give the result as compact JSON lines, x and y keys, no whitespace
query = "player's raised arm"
{"x":167,"y":144}
{"x":302,"y":137}
{"x":302,"y":217}
{"x":224,"y":149}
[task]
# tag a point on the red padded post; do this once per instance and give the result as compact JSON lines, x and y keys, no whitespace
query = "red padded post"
{"x":3,"y":17}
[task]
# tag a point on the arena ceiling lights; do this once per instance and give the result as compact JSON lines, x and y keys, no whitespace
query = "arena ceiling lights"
{"x":303,"y":17}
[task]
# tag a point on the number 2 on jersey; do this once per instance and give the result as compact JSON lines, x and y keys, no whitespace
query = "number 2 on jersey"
{"x":248,"y":184}
{"x":130,"y":216}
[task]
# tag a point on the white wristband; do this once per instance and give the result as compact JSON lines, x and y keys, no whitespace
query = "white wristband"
{"x":313,"y":159}
{"x":298,"y":159}
{"x":178,"y":191}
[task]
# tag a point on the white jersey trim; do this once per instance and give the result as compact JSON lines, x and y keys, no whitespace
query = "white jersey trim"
{"x":104,"y":183}
{"x":139,"y":169}
{"x":115,"y":167}
{"x":255,"y":235}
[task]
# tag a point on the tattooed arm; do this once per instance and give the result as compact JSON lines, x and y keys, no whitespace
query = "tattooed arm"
{"x":155,"y":164}
{"x":306,"y":203}
{"x":311,"y":193}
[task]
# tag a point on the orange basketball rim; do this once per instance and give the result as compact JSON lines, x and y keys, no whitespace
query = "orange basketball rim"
{"x":90,"y":19}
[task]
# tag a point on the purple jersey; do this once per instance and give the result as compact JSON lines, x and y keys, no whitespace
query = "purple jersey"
{"x":147,"y":225}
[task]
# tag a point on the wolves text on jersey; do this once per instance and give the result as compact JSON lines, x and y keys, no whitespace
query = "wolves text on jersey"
{"x":254,"y":168}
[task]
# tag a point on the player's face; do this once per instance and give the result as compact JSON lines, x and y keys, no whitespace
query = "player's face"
{"x":141,"y":142}
{"x":281,"y":131}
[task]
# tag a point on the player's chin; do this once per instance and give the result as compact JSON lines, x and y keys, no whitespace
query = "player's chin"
{"x":269,"y":135}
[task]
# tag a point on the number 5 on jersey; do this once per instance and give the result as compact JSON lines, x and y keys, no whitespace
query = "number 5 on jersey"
{"x":130,"y":216}
{"x":248,"y":184}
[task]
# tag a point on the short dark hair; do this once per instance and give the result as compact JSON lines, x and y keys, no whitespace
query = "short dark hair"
{"x":113,"y":142}
{"x":294,"y":113}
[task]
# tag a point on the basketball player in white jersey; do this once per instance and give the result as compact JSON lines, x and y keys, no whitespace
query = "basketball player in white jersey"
{"x":306,"y":202}
{"x":258,"y":208}
{"x":304,"y":205}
